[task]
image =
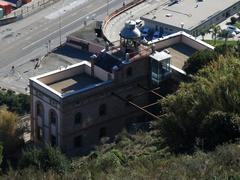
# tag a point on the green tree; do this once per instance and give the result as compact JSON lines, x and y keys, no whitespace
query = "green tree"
{"x":198,"y":60}
{"x":215,"y":88}
{"x":233,"y":20}
{"x":203,"y":33}
{"x":48,"y":158}
{"x":1,"y":156}
{"x":10,"y":134}
{"x":215,"y":31}
{"x":219,"y":127}
{"x":225,"y":50}
{"x":110,"y":161}
{"x":18,"y":103}
{"x":225,"y":34}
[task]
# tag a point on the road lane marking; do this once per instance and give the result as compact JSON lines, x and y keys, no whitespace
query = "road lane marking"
{"x":56,"y":31}
{"x":64,"y":9}
{"x":46,"y":29}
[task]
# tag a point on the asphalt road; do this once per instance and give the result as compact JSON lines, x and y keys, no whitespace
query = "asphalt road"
{"x":42,"y":33}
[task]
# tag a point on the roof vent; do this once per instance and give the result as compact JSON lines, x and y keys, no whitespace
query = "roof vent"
{"x":168,"y":15}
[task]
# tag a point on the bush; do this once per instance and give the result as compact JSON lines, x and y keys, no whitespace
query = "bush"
{"x":46,"y":159}
{"x":110,"y":160}
{"x":219,"y":127}
{"x":10,"y":134}
{"x":214,"y":89}
{"x":225,"y":50}
{"x":198,"y":60}
{"x":18,"y":103}
{"x":31,"y":157}
{"x":233,"y":20}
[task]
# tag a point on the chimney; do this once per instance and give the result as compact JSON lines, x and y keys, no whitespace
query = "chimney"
{"x":93,"y":58}
{"x":115,"y":72}
{"x":127,"y":57}
{"x":153,"y":48}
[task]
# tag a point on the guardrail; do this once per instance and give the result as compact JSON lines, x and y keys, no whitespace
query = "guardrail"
{"x":117,"y":12}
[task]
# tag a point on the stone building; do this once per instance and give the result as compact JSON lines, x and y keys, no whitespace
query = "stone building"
{"x":74,"y":107}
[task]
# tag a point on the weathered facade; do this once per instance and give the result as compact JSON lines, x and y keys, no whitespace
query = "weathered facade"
{"x":75,"y":107}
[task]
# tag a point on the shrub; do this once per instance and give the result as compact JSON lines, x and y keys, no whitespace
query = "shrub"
{"x":219,"y":127}
{"x":215,"y":88}
{"x":31,"y":157}
{"x":225,"y":50}
{"x":198,"y":60}
{"x":18,"y":103}
{"x":233,"y":20}
{"x":110,"y":160}
{"x":10,"y":135}
{"x":45,"y":159}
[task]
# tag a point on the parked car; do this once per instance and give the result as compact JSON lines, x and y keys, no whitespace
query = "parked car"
{"x":233,"y":29}
{"x":156,"y":35}
{"x":145,"y":32}
{"x":229,"y":33}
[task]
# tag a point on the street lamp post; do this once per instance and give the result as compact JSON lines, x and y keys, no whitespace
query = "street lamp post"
{"x":60,"y":24}
{"x":182,"y":25}
{"x":60,"y":30}
{"x":107,"y":6}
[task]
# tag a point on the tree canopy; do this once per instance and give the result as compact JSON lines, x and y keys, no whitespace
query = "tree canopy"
{"x":208,"y":105}
{"x":198,"y":60}
{"x":10,"y":134}
{"x":18,"y":103}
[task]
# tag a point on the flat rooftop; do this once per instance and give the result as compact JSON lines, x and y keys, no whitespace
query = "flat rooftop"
{"x":180,"y":53}
{"x":71,"y":84}
{"x":189,"y":12}
{"x":67,"y":81}
{"x":88,"y":33}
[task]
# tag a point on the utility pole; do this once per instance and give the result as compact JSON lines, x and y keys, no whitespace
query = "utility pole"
{"x":60,"y":30}
{"x":107,"y":6}
{"x":60,"y":24}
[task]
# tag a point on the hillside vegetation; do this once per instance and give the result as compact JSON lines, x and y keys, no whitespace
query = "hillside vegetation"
{"x":197,"y":136}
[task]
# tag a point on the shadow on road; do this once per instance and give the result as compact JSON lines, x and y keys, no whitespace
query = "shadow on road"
{"x":74,"y":53}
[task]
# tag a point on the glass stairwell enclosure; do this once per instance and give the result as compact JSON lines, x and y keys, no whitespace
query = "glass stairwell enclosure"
{"x":160,"y":66}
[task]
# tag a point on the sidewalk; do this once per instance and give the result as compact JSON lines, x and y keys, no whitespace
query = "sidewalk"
{"x":31,"y":8}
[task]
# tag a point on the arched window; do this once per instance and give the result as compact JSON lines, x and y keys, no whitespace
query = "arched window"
{"x":39,"y":109}
{"x":78,"y":118}
{"x":129,"y":71}
{"x":78,"y":141}
{"x":102,"y":132}
{"x":53,"y":140}
{"x":39,"y":131}
{"x":53,"y":116}
{"x":102,"y":110}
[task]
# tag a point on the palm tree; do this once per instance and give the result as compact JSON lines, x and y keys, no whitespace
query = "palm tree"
{"x":215,"y":31}
{"x":203,"y":34}
{"x":225,"y":35}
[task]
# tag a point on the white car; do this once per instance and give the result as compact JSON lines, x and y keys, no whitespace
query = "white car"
{"x":145,"y":32}
{"x":233,"y":29}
